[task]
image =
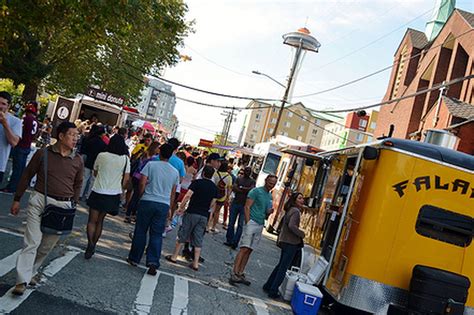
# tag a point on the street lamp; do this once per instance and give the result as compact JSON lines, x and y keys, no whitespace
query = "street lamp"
{"x":266,"y":75}
{"x":302,"y":41}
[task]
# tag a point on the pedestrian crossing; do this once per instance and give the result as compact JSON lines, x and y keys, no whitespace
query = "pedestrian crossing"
{"x":107,"y":284}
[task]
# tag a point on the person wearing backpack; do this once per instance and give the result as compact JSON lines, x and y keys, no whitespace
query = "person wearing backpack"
{"x":223,"y":181}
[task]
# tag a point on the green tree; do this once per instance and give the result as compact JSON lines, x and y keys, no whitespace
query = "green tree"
{"x":64,"y":46}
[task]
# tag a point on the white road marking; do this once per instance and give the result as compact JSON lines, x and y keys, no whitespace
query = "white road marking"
{"x":266,"y":302}
{"x":180,"y":296}
{"x":8,"y":263}
{"x":260,"y":307}
{"x":144,"y":300}
{"x":9,"y":302}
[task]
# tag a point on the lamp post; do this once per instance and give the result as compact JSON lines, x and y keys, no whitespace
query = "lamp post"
{"x":302,"y":41}
{"x":266,"y":75}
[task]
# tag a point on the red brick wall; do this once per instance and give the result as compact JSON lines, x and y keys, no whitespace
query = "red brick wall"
{"x":466,"y":135}
{"x":406,"y":114}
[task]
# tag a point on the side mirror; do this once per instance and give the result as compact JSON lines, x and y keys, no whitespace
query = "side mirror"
{"x":370,"y":153}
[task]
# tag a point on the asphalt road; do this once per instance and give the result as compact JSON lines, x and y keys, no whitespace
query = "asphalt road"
{"x":107,"y":284}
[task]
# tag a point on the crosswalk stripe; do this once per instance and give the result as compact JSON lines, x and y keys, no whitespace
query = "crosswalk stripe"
{"x":9,"y":302}
{"x":8,"y":263}
{"x":144,"y":300}
{"x":260,"y":307}
{"x":180,"y":297}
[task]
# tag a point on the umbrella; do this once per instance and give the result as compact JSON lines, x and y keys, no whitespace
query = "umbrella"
{"x":143,"y":124}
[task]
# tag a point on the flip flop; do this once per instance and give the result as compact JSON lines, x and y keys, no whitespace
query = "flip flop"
{"x":168,"y":258}
{"x":192,"y":267}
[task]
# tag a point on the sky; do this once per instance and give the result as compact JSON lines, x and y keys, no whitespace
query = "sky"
{"x":231,"y":38}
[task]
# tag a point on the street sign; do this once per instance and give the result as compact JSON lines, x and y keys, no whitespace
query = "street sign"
{"x":205,"y":143}
{"x":105,"y":96}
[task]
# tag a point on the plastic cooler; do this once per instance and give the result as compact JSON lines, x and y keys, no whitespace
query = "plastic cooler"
{"x":306,"y":299}
{"x":287,"y":287}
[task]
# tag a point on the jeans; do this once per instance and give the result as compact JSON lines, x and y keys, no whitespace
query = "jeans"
{"x":151,"y":217}
{"x":288,"y":252}
{"x":19,"y":156}
{"x":235,"y":210}
{"x":132,"y":205}
{"x":87,"y":183}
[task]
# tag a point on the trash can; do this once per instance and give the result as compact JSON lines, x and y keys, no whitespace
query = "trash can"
{"x":306,"y":299}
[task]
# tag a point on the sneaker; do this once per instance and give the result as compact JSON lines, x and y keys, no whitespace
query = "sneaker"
{"x":274,"y":296}
{"x":201,"y":260}
{"x":35,"y":280}
{"x":228,"y":244}
{"x":234,"y":279}
{"x":127,"y":220}
{"x":19,"y":289}
{"x":244,"y":280}
{"x":152,"y":270}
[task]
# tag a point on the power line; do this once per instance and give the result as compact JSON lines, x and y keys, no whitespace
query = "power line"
{"x":205,"y":91}
{"x":318,"y":126}
{"x":436,"y":87}
{"x":370,"y":43}
{"x":379,"y":71}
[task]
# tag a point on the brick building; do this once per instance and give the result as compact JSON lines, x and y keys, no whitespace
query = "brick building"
{"x":423,"y":60}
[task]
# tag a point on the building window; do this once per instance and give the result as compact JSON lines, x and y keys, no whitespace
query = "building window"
{"x":252,"y":136}
{"x":314,"y":132}
{"x":274,"y":109}
{"x":373,"y":125}
{"x":287,"y":124}
{"x":301,"y":128}
{"x":445,"y":226}
{"x":258,"y":116}
{"x":274,"y":120}
{"x":363,"y":123}
{"x":285,"y":134}
{"x":290,"y":114}
{"x":370,"y":138}
{"x":359,"y":137}
{"x":318,"y":122}
{"x":270,"y":131}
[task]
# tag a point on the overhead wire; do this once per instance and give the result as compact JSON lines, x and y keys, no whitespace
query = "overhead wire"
{"x":318,"y":126}
{"x":424,"y":91}
{"x":424,"y":51}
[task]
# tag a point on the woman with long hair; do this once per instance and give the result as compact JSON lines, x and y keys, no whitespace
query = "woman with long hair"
{"x":191,"y":172}
{"x":112,"y":169}
{"x":152,"y":150}
{"x":290,"y":240}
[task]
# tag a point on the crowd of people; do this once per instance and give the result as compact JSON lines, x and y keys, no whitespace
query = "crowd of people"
{"x":158,"y":183}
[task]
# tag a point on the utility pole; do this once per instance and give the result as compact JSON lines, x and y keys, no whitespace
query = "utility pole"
{"x":230,"y":117}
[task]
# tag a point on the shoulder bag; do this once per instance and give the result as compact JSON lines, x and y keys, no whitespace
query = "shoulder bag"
{"x":55,"y":220}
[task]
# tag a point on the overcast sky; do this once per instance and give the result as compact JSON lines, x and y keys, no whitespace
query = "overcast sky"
{"x":232,"y":38}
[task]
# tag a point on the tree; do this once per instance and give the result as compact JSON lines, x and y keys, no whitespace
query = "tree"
{"x":64,"y":46}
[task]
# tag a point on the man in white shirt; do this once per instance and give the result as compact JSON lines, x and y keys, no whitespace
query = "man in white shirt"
{"x":157,"y":189}
{"x":10,"y":131}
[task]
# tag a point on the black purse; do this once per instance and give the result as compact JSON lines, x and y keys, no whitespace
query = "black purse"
{"x":55,"y":220}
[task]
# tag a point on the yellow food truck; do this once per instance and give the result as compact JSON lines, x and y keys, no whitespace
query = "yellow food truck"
{"x":380,"y":209}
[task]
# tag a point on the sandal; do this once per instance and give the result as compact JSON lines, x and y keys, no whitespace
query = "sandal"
{"x":168,"y":258}
{"x":192,"y":267}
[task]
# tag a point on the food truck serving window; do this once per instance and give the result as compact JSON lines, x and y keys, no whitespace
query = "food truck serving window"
{"x":445,"y":226}
{"x":271,"y":163}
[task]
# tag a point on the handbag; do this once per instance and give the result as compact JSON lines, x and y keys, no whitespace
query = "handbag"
{"x":54,"y":220}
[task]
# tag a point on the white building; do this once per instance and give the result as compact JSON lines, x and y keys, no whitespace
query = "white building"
{"x":158,"y":103}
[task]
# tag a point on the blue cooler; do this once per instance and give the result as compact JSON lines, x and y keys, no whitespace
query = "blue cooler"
{"x":306,"y":299}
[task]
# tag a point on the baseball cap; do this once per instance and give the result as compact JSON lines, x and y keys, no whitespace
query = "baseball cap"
{"x":214,"y":156}
{"x":32,"y":106}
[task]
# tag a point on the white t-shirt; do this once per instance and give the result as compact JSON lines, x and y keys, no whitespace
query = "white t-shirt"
{"x":15,"y":126}
{"x":110,"y":169}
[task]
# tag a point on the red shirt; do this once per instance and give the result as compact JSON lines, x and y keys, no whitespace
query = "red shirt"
{"x":30,"y":128}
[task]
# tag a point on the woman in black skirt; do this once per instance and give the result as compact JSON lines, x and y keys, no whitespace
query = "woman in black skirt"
{"x":112,"y":170}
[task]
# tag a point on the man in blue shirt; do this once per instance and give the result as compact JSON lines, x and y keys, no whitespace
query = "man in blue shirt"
{"x":157,"y":189}
{"x":257,"y":208}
